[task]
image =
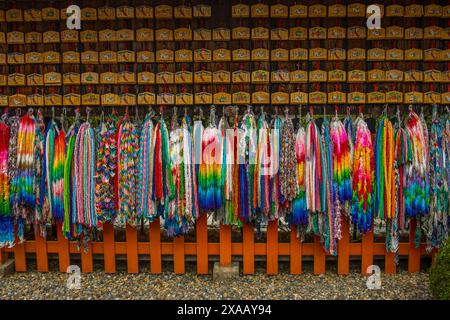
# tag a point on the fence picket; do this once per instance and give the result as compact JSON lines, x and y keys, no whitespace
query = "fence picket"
{"x":272,"y":247}
{"x":41,"y":252}
{"x":225,"y":245}
{"x":20,"y":262}
{"x":63,"y":249}
{"x":389,"y":263}
{"x":248,"y":248}
{"x":132,"y":250}
{"x":3,"y":256}
{"x":109,"y":250}
{"x":367,"y":251}
{"x":319,"y":257}
{"x":155,"y":247}
{"x":202,"y":244}
{"x":414,"y":253}
{"x":295,"y":252}
{"x":87,"y":262}
{"x":344,"y":249}
{"x":178,"y":255}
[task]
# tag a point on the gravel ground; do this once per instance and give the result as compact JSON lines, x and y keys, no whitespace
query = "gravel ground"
{"x":98,"y":285}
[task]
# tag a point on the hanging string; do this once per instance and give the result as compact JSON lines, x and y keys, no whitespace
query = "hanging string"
{"x":288,"y":162}
{"x":331,"y":219}
{"x":42,"y":218}
{"x":209,"y":193}
{"x":417,"y":198}
{"x":437,"y":221}
{"x":246,"y":161}
{"x":163,"y":187}
{"x":175,"y":220}
{"x":225,"y":214}
{"x":362,"y":182}
{"x":6,"y":218}
{"x":105,"y":170}
{"x":13,"y":123}
{"x":190,"y":176}
{"x":299,"y":209}
{"x":384,"y":170}
{"x":84,"y":170}
{"x":341,"y":163}
{"x":314,"y":175}
{"x":55,"y":145}
{"x":145,"y":204}
{"x":25,"y":179}
{"x":262,"y":172}
{"x":127,"y":163}
{"x":70,"y":228}
{"x":275,"y":143}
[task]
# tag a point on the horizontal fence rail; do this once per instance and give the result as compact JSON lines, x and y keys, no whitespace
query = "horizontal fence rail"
{"x":202,"y":250}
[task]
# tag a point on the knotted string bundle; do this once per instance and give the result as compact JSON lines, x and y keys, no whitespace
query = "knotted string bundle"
{"x":438,"y":219}
{"x":55,"y":153}
{"x":314,"y":172}
{"x":384,"y":170}
{"x":288,"y":162}
{"x":225,"y":214}
{"x":341,"y":163}
{"x":209,"y":177}
{"x":331,"y":229}
{"x":84,"y":171}
{"x":127,"y":163}
{"x":24,"y":181}
{"x":262,"y":172}
{"x":42,"y":218}
{"x":163,"y":187}
{"x":6,"y":218}
{"x":386,"y":182}
{"x":403,"y":157}
{"x":299,"y":209}
{"x":190,"y":175}
{"x":351,"y":136}
{"x":277,"y":199}
{"x":105,"y":170}
{"x":13,"y":123}
{"x":175,"y":220}
{"x":417,"y":198}
{"x":70,"y":227}
{"x":362,"y":182}
{"x":246,"y":162}
{"x":145,"y":204}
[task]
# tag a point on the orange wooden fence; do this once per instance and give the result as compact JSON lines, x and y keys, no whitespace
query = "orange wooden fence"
{"x":225,"y":249}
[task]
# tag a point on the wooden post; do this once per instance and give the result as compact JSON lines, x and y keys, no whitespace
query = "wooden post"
{"x":344,"y":249}
{"x":225,"y":245}
{"x":389,"y":263}
{"x":63,"y":249}
{"x":132,"y":250}
{"x":367,"y":251}
{"x":41,"y":251}
{"x":248,"y":249}
{"x":20,"y":261}
{"x":3,"y":256}
{"x":272,"y":248}
{"x":155,"y":247}
{"x":87,"y":263}
{"x":202,"y":244}
{"x":414,"y":253}
{"x":295,"y":252}
{"x":178,"y":255}
{"x":319,"y":256}
{"x":109,"y":250}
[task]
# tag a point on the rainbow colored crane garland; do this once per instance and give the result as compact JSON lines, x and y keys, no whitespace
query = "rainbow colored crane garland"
{"x":136,"y":173}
